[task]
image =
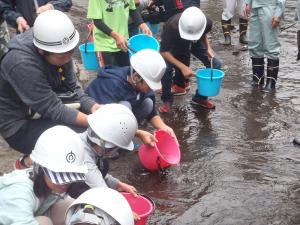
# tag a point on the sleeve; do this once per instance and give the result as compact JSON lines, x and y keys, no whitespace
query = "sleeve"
{"x":9,"y":13}
{"x":167,"y":42}
{"x":136,"y":16}
{"x":94,"y":177}
{"x":132,"y":4}
{"x":209,"y":24}
{"x":17,"y":208}
{"x":62,"y":5}
{"x":102,"y":26}
{"x":86,"y":102}
{"x":30,"y":83}
{"x":111,"y":181}
{"x":94,"y":10}
{"x":280,"y":8}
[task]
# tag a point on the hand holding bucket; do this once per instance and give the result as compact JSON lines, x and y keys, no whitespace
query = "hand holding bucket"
{"x":142,"y":205}
{"x":164,"y":154}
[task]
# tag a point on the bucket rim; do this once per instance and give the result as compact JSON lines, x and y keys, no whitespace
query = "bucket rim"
{"x":82,"y":47}
{"x":208,"y":77}
{"x":143,"y":196}
{"x":144,"y":35}
{"x":158,"y":152}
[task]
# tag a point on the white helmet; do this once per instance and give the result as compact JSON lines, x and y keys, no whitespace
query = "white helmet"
{"x":108,"y":203}
{"x":150,"y":65}
{"x":53,"y":31}
{"x":114,"y":123}
{"x":60,"y":149}
{"x":192,"y":24}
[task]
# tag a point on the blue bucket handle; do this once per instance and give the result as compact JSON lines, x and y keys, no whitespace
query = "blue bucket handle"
{"x":132,"y":50}
{"x":211,"y":68}
{"x":87,"y":40}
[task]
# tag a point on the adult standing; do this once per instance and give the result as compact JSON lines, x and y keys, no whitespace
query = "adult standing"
{"x":37,"y":68}
{"x":21,"y":14}
{"x":265,"y":17}
{"x":229,"y":7}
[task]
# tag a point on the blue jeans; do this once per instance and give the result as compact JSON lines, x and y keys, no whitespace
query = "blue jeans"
{"x":199,"y":50}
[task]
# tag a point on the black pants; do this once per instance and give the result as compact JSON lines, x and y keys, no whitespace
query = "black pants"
{"x":119,"y":58}
{"x":24,"y":140}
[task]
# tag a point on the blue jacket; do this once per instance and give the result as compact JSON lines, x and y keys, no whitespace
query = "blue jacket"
{"x":111,"y":86}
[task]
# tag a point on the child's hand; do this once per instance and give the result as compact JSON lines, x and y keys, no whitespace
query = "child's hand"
{"x":136,"y":217}
{"x":275,"y":21}
{"x":146,"y":137}
{"x":127,"y":188}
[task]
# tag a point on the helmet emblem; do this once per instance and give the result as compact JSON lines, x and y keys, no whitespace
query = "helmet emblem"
{"x":70,"y":157}
{"x":66,"y":40}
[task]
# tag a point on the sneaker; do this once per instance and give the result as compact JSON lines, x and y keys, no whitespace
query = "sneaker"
{"x":177,"y":91}
{"x":165,"y":107}
{"x":203,"y":103}
{"x":187,"y":86}
{"x":20,"y":163}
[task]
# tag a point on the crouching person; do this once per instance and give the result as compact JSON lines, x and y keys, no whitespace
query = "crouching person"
{"x":100,"y":206}
{"x":111,"y":128}
{"x":133,"y":86}
{"x":38,"y":195}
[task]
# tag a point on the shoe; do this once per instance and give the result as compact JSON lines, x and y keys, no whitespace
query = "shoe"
{"x":177,"y":91}
{"x":187,"y":86}
{"x":20,"y":163}
{"x":203,"y":103}
{"x":165,"y":107}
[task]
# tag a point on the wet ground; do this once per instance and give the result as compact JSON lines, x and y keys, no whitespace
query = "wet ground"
{"x":238,"y":164}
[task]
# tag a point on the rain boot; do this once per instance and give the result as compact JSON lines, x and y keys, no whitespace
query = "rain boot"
{"x":258,"y":72}
{"x":226,"y":27}
{"x":243,"y":31}
{"x":272,"y":73}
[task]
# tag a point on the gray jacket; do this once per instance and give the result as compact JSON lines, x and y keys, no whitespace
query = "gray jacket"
{"x":27,"y":81}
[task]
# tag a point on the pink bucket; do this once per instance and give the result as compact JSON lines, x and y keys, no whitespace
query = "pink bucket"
{"x":165,"y":153}
{"x":141,"y":205}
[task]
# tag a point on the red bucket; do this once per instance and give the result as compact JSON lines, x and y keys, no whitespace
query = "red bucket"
{"x":165,"y":153}
{"x":141,"y":205}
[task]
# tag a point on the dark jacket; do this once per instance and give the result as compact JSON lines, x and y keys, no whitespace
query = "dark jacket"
{"x":28,"y":81}
{"x":12,"y":9}
{"x":111,"y":86}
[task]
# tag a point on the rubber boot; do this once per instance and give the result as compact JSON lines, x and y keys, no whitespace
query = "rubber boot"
{"x":226,"y":27}
{"x":272,"y":73}
{"x":258,"y":72}
{"x":243,"y":31}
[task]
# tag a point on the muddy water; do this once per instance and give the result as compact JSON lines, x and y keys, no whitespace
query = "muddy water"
{"x":238,"y":165}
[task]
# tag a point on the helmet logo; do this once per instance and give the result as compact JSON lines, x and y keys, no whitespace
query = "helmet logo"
{"x":70,"y":157}
{"x":65,"y":41}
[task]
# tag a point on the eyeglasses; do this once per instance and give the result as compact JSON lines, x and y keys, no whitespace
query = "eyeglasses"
{"x":110,"y":150}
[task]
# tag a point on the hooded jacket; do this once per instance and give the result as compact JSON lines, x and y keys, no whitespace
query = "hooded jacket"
{"x":29,"y":83}
{"x":111,"y":86}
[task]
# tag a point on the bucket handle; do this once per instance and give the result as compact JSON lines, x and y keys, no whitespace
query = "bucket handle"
{"x":90,"y":28}
{"x":211,"y":68}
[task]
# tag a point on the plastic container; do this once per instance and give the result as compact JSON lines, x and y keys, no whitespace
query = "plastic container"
{"x":142,"y":41}
{"x":209,"y":81}
{"x":165,"y":153}
{"x":88,"y":56}
{"x":142,"y":205}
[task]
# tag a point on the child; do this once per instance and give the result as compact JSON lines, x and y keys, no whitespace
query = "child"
{"x":37,"y":195}
{"x":111,"y":127}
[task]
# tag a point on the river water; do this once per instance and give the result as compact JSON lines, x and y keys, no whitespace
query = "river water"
{"x":238,"y":163}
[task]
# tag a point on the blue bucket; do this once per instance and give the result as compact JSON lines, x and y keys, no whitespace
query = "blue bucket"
{"x":140,"y":42}
{"x":209,"y":81}
{"x":88,"y":56}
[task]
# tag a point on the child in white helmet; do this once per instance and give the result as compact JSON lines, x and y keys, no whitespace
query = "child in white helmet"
{"x":133,"y":86}
{"x":109,"y":207}
{"x":38,"y":195}
{"x":111,"y":127}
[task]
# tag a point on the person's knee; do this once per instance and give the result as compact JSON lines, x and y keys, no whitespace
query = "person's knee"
{"x":126,"y":103}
